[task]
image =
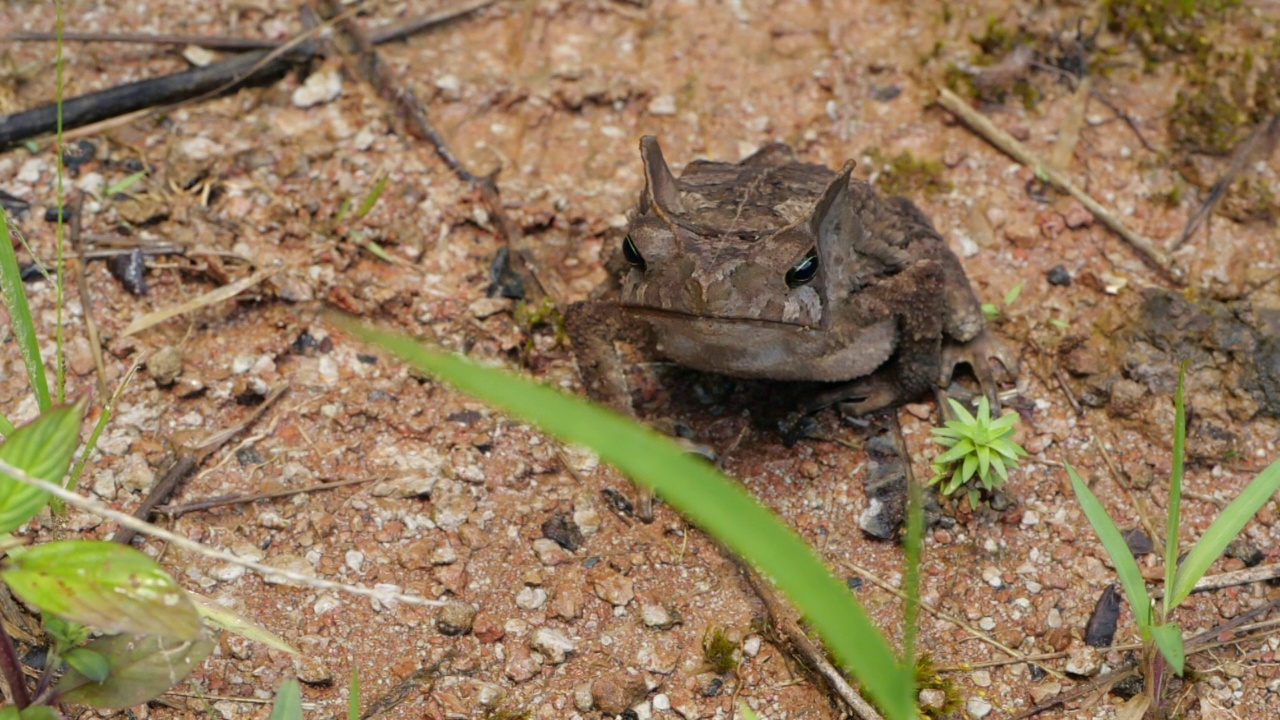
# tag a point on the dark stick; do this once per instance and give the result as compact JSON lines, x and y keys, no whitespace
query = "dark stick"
{"x":122,"y":99}
{"x":175,"y":511}
{"x":189,"y":458}
{"x":1258,"y":144}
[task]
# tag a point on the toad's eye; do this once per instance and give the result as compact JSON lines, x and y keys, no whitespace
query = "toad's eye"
{"x":632,"y":254}
{"x":803,"y":271}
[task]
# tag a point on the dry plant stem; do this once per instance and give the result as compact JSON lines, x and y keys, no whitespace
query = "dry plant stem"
{"x":93,"y":506}
{"x":11,"y":669}
{"x":203,"y":41}
{"x":1259,"y":144}
{"x":226,"y":292}
{"x":397,"y":31}
{"x":86,"y":300}
{"x":354,"y":43}
{"x":1157,"y":538}
{"x":786,"y":621}
{"x":933,"y":610}
{"x":176,"y":511}
{"x":1010,"y":146}
{"x":190,"y":459}
{"x":401,"y":30}
{"x":1066,"y":391}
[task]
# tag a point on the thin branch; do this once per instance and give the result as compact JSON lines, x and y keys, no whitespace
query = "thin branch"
{"x":93,"y":506}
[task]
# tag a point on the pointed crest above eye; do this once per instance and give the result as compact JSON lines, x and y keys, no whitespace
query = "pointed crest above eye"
{"x":660,"y":189}
{"x":833,"y":215}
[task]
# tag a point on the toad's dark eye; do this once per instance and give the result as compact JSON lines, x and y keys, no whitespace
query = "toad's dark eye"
{"x":631,"y":253}
{"x":803,"y":271}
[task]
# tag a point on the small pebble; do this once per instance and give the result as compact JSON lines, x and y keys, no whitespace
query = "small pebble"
{"x":553,"y":644}
{"x":455,"y":618}
{"x":1058,"y":276}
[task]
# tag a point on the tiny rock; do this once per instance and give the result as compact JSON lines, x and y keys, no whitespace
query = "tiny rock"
{"x":656,"y":616}
{"x":1083,"y":662}
{"x":455,"y":618}
{"x":613,"y":694}
{"x":553,"y":644}
{"x":977,"y":707}
{"x":615,"y":589}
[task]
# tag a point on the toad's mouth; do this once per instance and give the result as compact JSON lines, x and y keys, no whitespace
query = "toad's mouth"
{"x":653,"y":314}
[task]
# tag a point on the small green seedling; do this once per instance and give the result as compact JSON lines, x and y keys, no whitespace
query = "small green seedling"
{"x":977,"y":448}
{"x":993,"y":311}
{"x":1161,"y":637}
{"x":717,"y":651}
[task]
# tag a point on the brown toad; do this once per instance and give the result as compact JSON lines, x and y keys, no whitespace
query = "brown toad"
{"x":776,"y":269}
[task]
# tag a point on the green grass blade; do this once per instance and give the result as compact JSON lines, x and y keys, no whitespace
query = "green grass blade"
{"x":24,"y":330}
{"x":366,"y":206}
{"x":1225,"y":528}
{"x":353,"y":696}
{"x":1135,"y":587}
{"x":1175,"y":488}
{"x":288,"y":705}
{"x":705,"y":496}
{"x":1168,"y":638}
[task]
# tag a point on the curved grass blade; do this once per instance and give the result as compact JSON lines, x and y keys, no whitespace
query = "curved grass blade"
{"x":703,"y":495}
{"x":1135,"y":587}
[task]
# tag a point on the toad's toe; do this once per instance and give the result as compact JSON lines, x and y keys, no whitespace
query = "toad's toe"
{"x":991,"y":361}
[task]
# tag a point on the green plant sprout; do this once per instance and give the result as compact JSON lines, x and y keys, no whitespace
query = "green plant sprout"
{"x":1161,"y":637}
{"x":978,"y":447}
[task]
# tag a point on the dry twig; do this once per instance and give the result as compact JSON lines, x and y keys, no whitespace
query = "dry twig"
{"x":1011,"y":147}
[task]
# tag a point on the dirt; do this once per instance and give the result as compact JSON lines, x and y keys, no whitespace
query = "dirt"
{"x":553,"y":96}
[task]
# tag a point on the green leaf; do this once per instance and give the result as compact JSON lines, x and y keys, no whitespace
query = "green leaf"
{"x":124,"y":184}
{"x":998,"y":464}
{"x":353,"y":696}
{"x":104,"y":585}
{"x":1225,"y":528}
{"x":1174,"y":512}
{"x":970,"y":466}
{"x":1168,"y":638}
{"x":1009,"y":449}
{"x":20,"y":320}
{"x":703,"y":495}
{"x":88,"y":663}
{"x":973,"y":498}
{"x":1135,"y":587}
{"x":220,"y":617}
{"x":960,"y":450}
{"x":43,"y":449}
{"x":32,"y":712}
{"x":984,"y":460}
{"x":372,"y":198}
{"x":1004,"y":422}
{"x":142,"y":667}
{"x":288,"y":704}
{"x":962,"y":413}
{"x":1013,"y":293}
{"x":745,"y":712}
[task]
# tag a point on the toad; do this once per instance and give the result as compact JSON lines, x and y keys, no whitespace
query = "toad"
{"x":772,"y":268}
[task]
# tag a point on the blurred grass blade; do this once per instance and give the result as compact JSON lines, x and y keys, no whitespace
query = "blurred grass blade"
{"x":1174,"y":512}
{"x":371,"y":199}
{"x":1135,"y":587}
{"x":43,"y":450}
{"x":353,"y":695}
{"x":288,"y":704}
{"x":703,"y":495}
{"x":24,"y":330}
{"x":1225,"y":528}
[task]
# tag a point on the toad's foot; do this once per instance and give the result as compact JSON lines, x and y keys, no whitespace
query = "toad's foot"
{"x":859,"y":397}
{"x":991,"y":361}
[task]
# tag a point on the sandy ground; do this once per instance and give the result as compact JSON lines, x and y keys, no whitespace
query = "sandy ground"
{"x":553,"y":96}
